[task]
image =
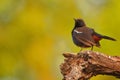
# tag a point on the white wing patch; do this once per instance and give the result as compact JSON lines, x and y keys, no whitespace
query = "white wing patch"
{"x":77,"y":31}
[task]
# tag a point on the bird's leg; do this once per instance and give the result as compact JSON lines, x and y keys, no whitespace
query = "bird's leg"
{"x":92,"y":48}
{"x":80,"y":51}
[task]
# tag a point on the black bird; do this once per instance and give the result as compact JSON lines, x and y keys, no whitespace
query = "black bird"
{"x":86,"y":37}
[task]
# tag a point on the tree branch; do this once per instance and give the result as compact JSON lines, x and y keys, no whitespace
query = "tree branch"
{"x":87,"y":64}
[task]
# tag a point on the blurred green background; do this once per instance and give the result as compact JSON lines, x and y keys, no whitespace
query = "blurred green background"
{"x":35,"y":33}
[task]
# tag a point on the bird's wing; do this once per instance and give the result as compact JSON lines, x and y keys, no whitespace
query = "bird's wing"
{"x":84,"y":36}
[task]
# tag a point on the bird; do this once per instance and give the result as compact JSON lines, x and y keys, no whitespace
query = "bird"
{"x":86,"y":37}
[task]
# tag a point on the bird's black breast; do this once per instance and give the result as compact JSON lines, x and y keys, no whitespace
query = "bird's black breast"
{"x":76,"y":41}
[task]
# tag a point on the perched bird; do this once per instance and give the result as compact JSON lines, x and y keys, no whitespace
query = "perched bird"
{"x":85,"y":37}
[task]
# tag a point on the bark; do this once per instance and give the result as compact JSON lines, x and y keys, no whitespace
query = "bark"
{"x":87,"y":64}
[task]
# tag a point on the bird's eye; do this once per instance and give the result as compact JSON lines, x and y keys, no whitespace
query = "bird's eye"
{"x":81,"y":23}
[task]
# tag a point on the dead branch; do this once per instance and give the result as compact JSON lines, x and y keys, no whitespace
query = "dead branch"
{"x":87,"y":64}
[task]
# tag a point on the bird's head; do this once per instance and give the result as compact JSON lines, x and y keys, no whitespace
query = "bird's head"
{"x":79,"y":23}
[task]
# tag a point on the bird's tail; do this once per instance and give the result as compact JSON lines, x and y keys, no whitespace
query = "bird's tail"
{"x":109,"y":38}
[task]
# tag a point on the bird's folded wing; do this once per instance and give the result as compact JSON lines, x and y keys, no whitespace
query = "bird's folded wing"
{"x":83,"y":37}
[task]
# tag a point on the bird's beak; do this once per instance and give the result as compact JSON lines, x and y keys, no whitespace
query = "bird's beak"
{"x":74,"y":19}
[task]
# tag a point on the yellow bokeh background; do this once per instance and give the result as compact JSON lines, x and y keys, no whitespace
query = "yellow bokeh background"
{"x":35,"y":33}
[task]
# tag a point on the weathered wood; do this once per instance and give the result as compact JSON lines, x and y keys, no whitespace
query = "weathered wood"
{"x":87,"y":64}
